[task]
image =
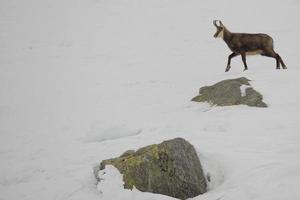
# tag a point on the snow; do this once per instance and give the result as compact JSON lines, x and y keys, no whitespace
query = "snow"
{"x":82,"y":81}
{"x":100,"y":131}
{"x":243,"y":89}
{"x":112,"y":180}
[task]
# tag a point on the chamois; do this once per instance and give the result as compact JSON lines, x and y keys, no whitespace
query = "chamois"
{"x":247,"y":44}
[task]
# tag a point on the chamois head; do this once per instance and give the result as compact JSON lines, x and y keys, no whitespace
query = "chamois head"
{"x":220,"y":29}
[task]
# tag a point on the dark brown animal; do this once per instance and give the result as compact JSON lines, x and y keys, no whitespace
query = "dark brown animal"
{"x":247,"y":44}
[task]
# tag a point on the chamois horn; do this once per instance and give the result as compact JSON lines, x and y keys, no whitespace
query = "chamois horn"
{"x":215,"y":23}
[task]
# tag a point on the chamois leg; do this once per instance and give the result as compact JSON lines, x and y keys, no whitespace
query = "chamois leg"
{"x":229,"y":61}
{"x":272,"y":54}
{"x":244,"y":60}
{"x":281,"y":61}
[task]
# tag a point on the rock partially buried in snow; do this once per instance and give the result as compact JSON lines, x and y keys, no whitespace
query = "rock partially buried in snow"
{"x":170,"y":168}
{"x":231,"y":92}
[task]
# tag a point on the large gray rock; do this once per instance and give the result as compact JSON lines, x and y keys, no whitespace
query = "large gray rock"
{"x":228,"y":92}
{"x":171,"y":168}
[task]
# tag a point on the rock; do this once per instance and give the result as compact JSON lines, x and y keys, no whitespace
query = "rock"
{"x":228,"y":92}
{"x":170,"y":168}
{"x":127,"y":153}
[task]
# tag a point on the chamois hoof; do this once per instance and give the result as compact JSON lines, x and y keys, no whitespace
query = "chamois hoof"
{"x":227,"y":69}
{"x":245,"y":69}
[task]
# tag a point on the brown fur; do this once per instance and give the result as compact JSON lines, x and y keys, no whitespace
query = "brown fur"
{"x":247,"y":44}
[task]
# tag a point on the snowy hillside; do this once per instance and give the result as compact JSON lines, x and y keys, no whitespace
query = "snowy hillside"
{"x":85,"y":80}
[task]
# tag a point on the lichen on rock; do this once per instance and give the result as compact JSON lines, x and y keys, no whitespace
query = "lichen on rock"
{"x":228,"y":92}
{"x":171,"y":168}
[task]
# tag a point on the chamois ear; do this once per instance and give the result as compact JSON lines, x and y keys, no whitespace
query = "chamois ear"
{"x":221,"y":24}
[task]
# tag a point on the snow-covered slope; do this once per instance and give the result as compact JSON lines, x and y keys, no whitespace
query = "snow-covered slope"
{"x":85,"y":80}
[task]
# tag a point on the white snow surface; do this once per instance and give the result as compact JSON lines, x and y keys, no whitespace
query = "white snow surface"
{"x":243,"y":89}
{"x":85,"y":80}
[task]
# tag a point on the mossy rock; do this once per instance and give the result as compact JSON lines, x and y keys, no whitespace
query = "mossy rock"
{"x":228,"y":93}
{"x":170,"y":168}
